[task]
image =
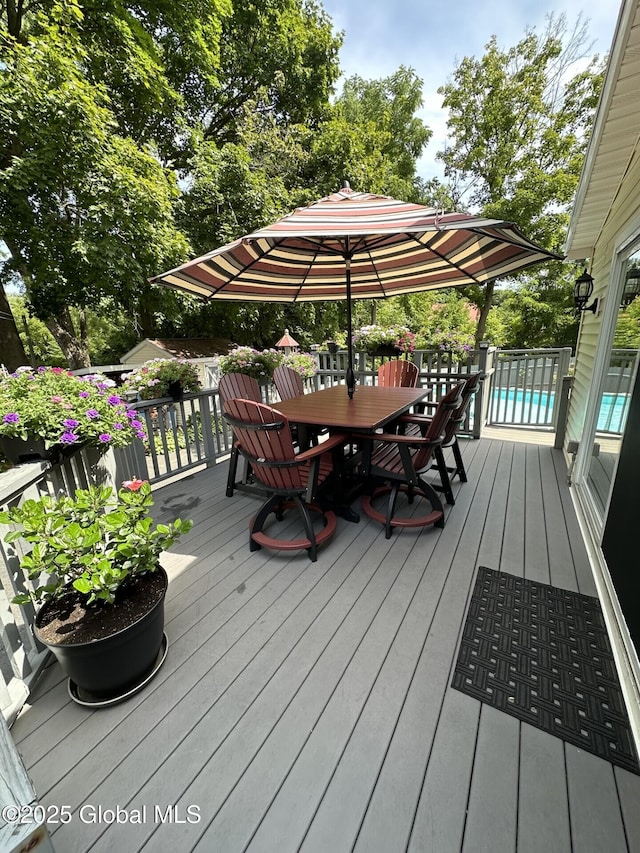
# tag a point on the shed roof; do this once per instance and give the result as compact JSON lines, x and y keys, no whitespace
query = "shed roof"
{"x":183,"y":347}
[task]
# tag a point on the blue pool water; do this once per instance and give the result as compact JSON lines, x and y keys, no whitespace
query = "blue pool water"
{"x":534,"y":407}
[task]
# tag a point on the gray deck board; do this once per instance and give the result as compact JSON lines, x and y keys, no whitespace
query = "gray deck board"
{"x":307,"y":706}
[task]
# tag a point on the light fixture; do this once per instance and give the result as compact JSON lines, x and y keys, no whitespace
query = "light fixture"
{"x":582,"y":290}
{"x":631,"y":286}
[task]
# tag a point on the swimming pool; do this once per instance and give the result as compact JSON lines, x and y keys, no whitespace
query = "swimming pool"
{"x":535,"y":408}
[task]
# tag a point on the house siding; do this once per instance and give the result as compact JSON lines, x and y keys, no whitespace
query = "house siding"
{"x":624,"y":212}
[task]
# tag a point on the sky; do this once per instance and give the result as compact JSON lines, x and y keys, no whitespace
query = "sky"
{"x":432,"y":36}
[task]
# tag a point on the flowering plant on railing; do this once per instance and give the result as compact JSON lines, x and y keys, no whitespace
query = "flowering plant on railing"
{"x":153,"y":378}
{"x":89,"y":542}
{"x":252,"y":362}
{"x":371,"y":338}
{"x":303,"y":362}
{"x":61,"y":408}
{"x":457,"y":344}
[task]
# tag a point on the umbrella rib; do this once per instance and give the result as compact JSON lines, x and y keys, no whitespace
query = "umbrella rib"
{"x":427,"y":245}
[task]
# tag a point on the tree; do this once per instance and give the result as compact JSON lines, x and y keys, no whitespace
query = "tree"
{"x":281,"y":55}
{"x":518,"y":124}
{"x":86,"y":212}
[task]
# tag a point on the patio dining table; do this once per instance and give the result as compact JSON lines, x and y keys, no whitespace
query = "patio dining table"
{"x":371,"y":408}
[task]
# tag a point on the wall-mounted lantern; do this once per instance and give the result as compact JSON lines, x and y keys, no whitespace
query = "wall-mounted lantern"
{"x":582,"y":291}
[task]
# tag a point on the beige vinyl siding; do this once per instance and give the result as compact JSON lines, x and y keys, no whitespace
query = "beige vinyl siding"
{"x":624,"y":211}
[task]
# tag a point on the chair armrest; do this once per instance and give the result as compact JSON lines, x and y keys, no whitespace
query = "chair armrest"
{"x":318,"y":450}
{"x":421,"y":420}
{"x":395,"y":438}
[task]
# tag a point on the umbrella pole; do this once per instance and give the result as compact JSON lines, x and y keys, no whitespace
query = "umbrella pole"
{"x":351,"y":377}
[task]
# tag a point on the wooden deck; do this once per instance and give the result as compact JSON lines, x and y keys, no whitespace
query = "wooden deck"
{"x":307,"y":706}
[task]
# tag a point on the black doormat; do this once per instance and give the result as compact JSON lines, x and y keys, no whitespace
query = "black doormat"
{"x":542,"y":654}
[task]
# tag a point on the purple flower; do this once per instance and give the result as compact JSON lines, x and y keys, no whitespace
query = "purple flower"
{"x":84,"y":394}
{"x":114,"y":400}
{"x":131,"y":413}
{"x":92,"y":414}
{"x":104,"y":437}
{"x":11,"y":418}
{"x":141,"y":434}
{"x":70,"y":423}
{"x":118,"y":426}
{"x":137,"y":425}
{"x":68,"y":438}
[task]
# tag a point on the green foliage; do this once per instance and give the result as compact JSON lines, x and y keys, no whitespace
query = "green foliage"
{"x":518,"y":123}
{"x":62,"y":408}
{"x":627,"y":334}
{"x":537,"y":314}
{"x":152,"y":379}
{"x":90,"y":542}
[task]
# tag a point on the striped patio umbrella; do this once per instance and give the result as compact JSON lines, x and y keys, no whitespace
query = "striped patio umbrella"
{"x":353,"y":245}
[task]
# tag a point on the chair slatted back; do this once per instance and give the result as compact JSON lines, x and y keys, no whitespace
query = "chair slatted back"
{"x":264,"y":436}
{"x":398,"y":373}
{"x":237,"y":385}
{"x":457,"y":418}
{"x":438,"y":426}
{"x":289,"y":383}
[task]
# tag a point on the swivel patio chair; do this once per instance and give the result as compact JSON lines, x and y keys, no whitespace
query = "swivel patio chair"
{"x":418,"y":425}
{"x":289,"y":384}
{"x":264,"y":438}
{"x":398,"y":373}
{"x":402,"y":460}
{"x":233,"y":385}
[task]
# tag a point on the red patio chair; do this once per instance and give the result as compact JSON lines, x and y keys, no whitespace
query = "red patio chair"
{"x":234,"y":385}
{"x":289,"y":384}
{"x":418,"y":425}
{"x":264,"y":438}
{"x":398,"y":373}
{"x":402,"y":460}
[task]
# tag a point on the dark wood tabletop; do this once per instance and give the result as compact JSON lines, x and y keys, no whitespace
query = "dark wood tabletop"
{"x":370,"y":408}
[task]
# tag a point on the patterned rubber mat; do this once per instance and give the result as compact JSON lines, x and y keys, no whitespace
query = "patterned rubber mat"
{"x":542,"y":654}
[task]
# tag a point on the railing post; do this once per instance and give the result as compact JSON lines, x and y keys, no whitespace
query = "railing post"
{"x":561,"y":411}
{"x":208,"y":428}
{"x":564,"y":359}
{"x":480,"y":403}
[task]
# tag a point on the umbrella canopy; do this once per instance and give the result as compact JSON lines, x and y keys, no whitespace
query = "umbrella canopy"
{"x":353,"y":245}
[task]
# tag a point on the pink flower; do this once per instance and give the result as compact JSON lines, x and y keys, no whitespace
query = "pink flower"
{"x":133,"y":485}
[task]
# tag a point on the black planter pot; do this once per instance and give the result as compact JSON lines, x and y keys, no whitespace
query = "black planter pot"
{"x":389,"y":351}
{"x":332,"y":346}
{"x":110,"y":669}
{"x":32,"y":449}
{"x":176,"y":391}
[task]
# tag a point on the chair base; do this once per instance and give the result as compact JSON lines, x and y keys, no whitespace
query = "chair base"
{"x":435,"y":517}
{"x":309,"y":543}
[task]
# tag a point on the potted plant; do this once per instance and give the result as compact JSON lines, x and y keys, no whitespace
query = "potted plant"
{"x":252,"y":362}
{"x":162,"y":377}
{"x":48,"y":411}
{"x":380,"y":340}
{"x":94,"y":573}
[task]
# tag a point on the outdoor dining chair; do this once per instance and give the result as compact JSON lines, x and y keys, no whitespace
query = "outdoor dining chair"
{"x":264,"y":438}
{"x":413,"y":424}
{"x":402,"y":460}
{"x":289,"y":384}
{"x":398,"y":373}
{"x":230,"y":386}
